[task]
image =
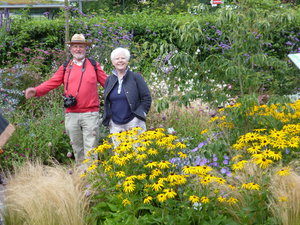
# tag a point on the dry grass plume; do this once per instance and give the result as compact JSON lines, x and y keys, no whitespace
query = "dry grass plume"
{"x":45,"y":195}
{"x":285,"y":201}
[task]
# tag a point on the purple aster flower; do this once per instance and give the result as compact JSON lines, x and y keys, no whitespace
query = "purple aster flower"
{"x":287,"y":151}
{"x":173,"y":160}
{"x":228,"y":173}
{"x":219,"y":32}
{"x":215,"y":164}
{"x":203,"y":162}
{"x":225,"y":162}
{"x":223,"y":170}
{"x":202,"y":144}
{"x":195,"y":149}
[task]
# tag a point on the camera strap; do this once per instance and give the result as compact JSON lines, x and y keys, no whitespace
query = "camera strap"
{"x":82,"y":71}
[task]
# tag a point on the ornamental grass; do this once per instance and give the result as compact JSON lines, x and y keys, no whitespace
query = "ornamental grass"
{"x":285,"y":199}
{"x":44,"y":195}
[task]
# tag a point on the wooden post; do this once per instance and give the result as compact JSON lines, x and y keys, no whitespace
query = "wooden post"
{"x":67,"y":28}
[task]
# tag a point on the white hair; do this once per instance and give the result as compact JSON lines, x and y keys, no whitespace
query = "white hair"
{"x":119,"y":50}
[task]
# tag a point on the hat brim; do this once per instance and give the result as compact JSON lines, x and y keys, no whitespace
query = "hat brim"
{"x":78,"y":42}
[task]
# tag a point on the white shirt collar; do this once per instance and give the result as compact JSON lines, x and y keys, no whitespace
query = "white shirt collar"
{"x":78,"y":63}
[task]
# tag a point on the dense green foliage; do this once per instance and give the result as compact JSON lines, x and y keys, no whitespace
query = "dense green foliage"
{"x":217,"y":55}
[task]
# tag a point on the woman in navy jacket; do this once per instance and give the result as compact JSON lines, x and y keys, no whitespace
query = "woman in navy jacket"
{"x":127,"y":98}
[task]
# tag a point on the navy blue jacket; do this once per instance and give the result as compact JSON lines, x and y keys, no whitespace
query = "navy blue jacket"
{"x":136,"y":91}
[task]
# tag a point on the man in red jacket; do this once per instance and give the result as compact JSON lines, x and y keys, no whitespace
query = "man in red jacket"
{"x":81,"y":99}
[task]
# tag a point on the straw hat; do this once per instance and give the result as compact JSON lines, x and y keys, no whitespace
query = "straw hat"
{"x":78,"y":39}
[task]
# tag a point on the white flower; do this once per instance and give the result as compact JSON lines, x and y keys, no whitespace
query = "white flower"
{"x":171,"y":130}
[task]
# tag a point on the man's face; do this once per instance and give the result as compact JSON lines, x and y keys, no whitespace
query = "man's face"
{"x":78,"y":51}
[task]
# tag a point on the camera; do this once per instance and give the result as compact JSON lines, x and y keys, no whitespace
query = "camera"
{"x":69,"y":101}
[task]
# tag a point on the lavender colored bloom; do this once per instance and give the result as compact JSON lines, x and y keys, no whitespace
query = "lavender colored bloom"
{"x":202,"y":144}
{"x":87,"y":193}
{"x":1,"y":19}
{"x":289,"y":43}
{"x":173,"y":160}
{"x":195,"y":149}
{"x":219,"y":32}
{"x":215,"y":164}
{"x":197,"y":161}
{"x":203,"y":162}
{"x":225,"y":162}
{"x":287,"y":151}
{"x":258,"y":36}
{"x":229,"y":174}
{"x":269,"y":44}
{"x":223,"y":170}
{"x":224,"y":46}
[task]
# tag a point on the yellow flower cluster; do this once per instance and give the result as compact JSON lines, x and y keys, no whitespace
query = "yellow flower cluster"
{"x":140,"y":166}
{"x":284,"y":113}
{"x":251,"y":186}
{"x":140,"y":162}
{"x":263,"y":146}
{"x":230,"y":200}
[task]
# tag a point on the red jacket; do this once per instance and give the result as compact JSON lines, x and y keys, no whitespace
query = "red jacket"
{"x":88,"y":96}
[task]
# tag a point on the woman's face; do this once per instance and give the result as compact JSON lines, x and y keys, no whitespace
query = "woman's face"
{"x":120,"y":62}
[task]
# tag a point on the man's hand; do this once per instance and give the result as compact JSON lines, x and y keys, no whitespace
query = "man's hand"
{"x":30,"y":92}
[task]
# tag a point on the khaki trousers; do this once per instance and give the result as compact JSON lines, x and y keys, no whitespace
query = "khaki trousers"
{"x":83,"y":130}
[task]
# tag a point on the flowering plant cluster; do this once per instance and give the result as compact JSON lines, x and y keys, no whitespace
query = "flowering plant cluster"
{"x":274,"y":136}
{"x":154,"y":177}
{"x":263,"y":158}
{"x":141,"y":176}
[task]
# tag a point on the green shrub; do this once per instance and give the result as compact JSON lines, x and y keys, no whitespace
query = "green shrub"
{"x":39,"y":134}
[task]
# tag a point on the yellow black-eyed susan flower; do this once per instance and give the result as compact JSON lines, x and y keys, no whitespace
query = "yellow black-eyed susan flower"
{"x":232,"y":200}
{"x":158,"y":186}
{"x":170,"y":193}
{"x":147,"y":200}
{"x":194,"y":199}
{"x":126,"y":202}
{"x":284,"y":171}
{"x":161,"y":197}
